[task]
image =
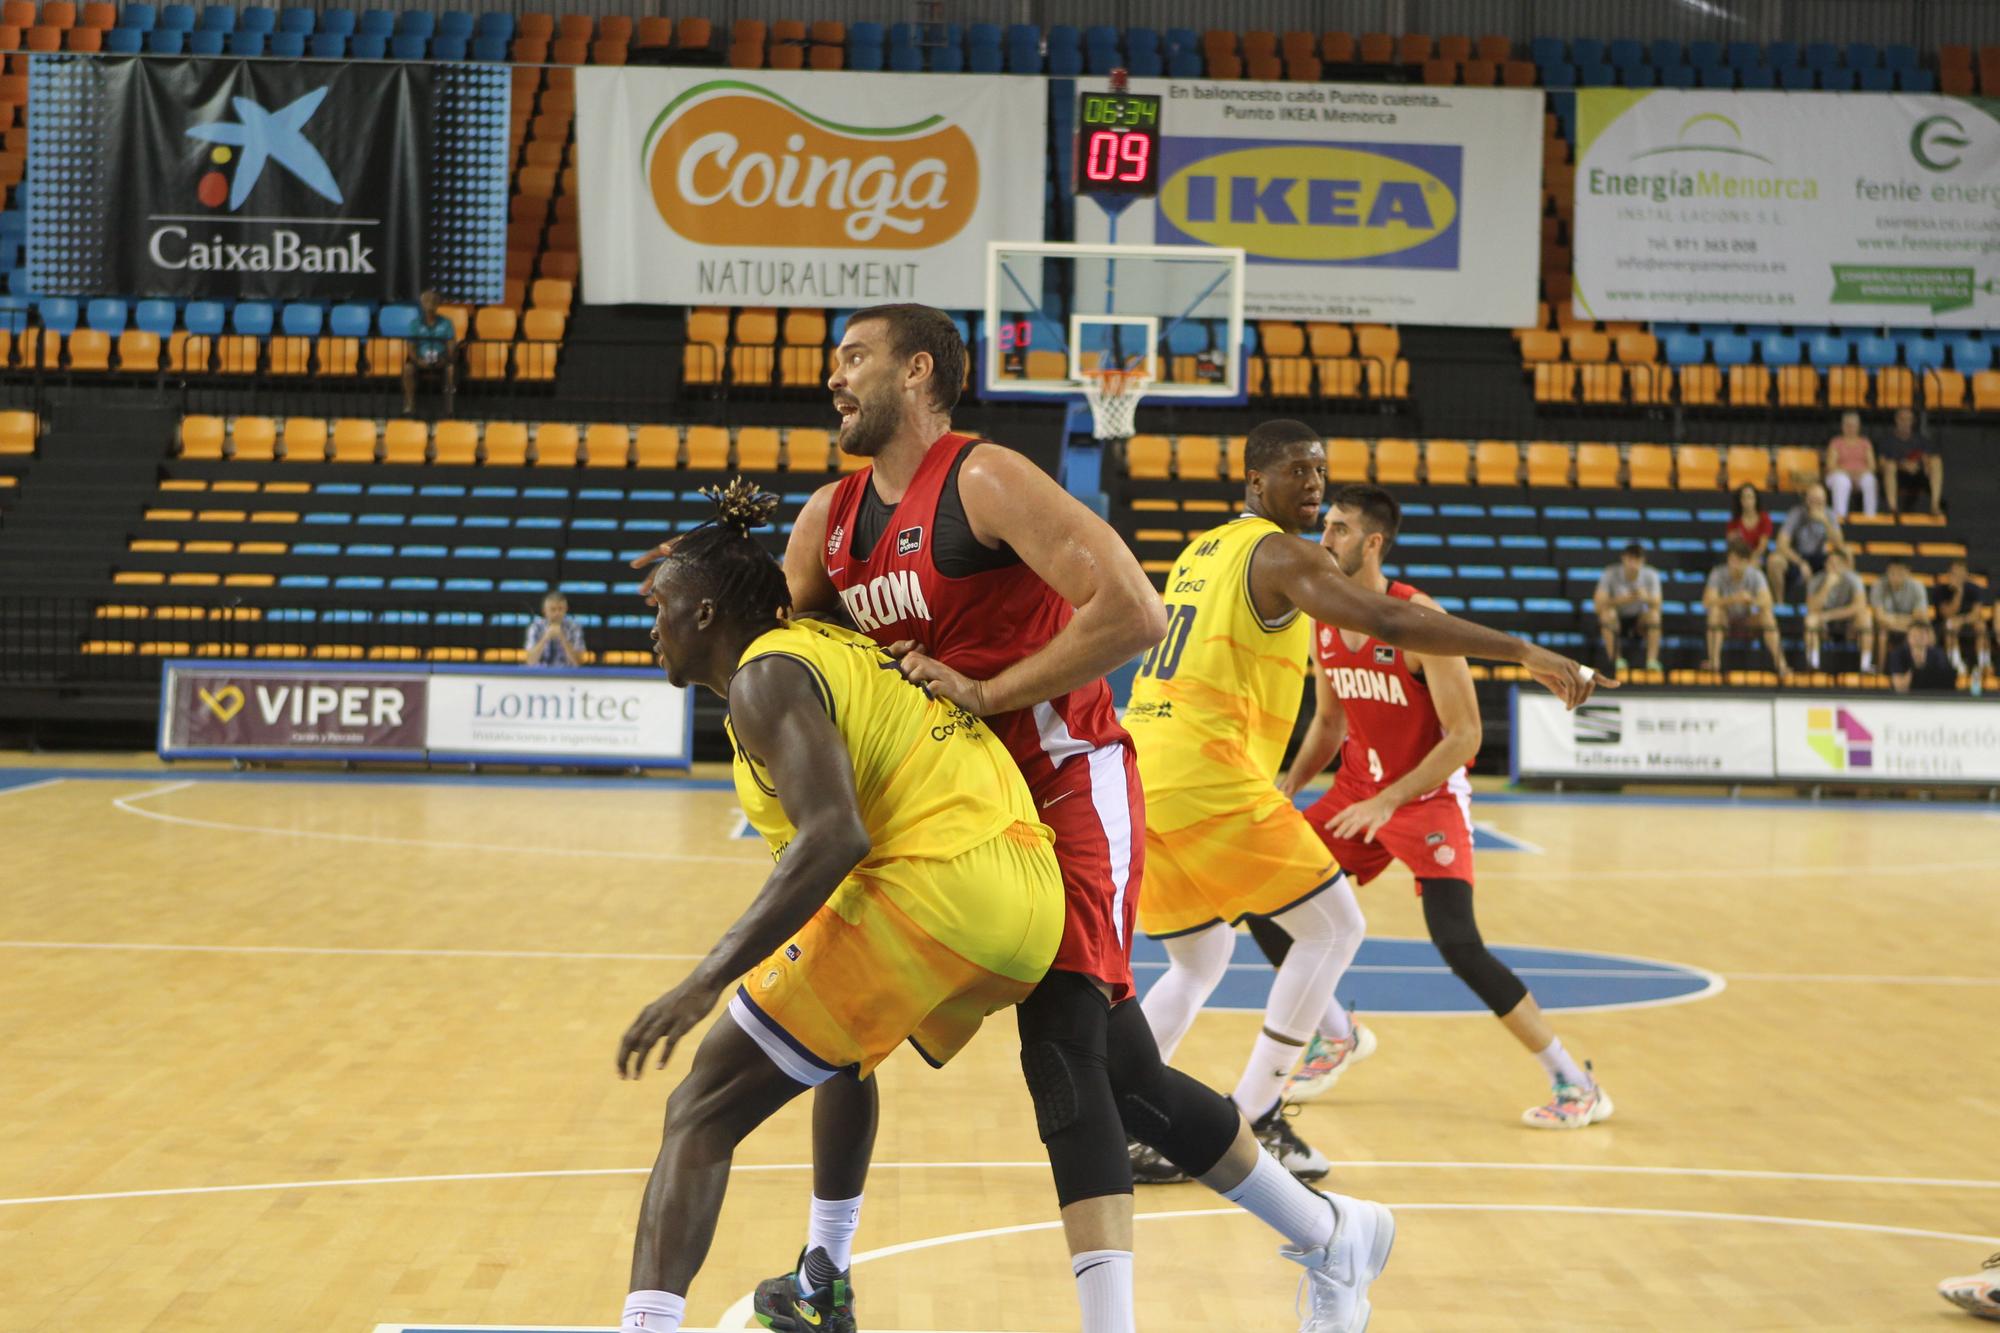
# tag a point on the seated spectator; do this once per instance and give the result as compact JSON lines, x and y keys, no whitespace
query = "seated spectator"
{"x":554,"y":640}
{"x":1850,"y":464}
{"x":433,"y":351}
{"x":1899,"y":602}
{"x":1738,"y":600}
{"x":1910,"y":461}
{"x":1919,"y":666}
{"x":1751,"y":525}
{"x":1628,"y":600}
{"x":1965,"y":613}
{"x":1837,"y":608}
{"x":1803,"y":540}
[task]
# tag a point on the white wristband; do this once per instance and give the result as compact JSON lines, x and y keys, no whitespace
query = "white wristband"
{"x":1586,"y":673}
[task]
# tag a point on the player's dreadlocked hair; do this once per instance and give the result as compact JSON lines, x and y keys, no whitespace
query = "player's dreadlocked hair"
{"x":726,"y":564}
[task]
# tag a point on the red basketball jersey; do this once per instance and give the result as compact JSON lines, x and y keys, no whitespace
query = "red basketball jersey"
{"x":1391,"y":722}
{"x":979,"y":624}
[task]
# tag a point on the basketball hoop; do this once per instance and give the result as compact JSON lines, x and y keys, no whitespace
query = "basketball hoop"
{"x":1113,"y":395}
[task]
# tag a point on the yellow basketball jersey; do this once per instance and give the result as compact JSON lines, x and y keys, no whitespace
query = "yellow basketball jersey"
{"x":1216,"y":699}
{"x":932,"y":779}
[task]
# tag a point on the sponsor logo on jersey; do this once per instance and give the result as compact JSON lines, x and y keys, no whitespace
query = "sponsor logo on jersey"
{"x":792,"y":953}
{"x":885,"y":600}
{"x":1361,"y":683}
{"x":909,"y":541}
{"x":1445,"y":855}
{"x":1384,"y":655}
{"x":1433,"y":839}
{"x":834,"y":539}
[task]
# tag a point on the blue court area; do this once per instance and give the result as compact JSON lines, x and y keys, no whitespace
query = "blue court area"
{"x":1392,"y":976}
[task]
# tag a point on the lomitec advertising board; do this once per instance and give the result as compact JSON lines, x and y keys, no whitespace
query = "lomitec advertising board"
{"x":279,"y":180}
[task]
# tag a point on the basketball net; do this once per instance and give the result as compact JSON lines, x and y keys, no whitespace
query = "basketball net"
{"x":1113,"y":395}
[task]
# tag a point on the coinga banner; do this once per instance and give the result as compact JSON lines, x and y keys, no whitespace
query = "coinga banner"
{"x":1787,"y":208}
{"x":1353,"y":202}
{"x":281,"y":180}
{"x":802,"y":189}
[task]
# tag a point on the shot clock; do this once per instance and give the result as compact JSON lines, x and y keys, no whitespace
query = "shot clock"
{"x":1118,"y":141}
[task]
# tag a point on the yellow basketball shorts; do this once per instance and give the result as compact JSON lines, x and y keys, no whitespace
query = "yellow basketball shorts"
{"x":1256,"y":861}
{"x":862,"y":976}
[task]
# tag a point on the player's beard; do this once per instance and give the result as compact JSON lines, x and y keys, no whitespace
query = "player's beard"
{"x":1350,"y":565}
{"x":872,"y":425}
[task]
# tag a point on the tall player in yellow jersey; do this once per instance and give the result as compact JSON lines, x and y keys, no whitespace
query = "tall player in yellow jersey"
{"x":914,"y":891}
{"x":1211,"y":713}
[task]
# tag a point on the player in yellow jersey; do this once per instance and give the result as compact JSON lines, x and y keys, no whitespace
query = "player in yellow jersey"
{"x":1211,"y":713}
{"x":914,"y":891}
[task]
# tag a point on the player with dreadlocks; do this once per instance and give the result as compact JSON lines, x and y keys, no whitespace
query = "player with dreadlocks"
{"x":914,"y":890}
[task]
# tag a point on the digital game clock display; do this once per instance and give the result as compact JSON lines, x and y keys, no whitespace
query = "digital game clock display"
{"x":1118,"y":140}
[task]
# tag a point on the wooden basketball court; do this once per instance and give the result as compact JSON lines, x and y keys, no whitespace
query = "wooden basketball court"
{"x":324,"y":1054}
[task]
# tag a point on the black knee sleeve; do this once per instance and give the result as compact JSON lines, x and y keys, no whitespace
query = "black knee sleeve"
{"x":1063,"y":1035}
{"x":1186,"y":1122}
{"x":1271,"y":937}
{"x":1448,"y":917}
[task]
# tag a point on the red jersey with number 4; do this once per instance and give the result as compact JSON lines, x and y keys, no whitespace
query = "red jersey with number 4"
{"x":1391,"y":722}
{"x":978,"y":623}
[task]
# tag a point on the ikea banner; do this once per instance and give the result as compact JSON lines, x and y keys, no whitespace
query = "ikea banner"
{"x":803,"y":189}
{"x":1379,"y":203}
{"x":270,"y":179}
{"x":1787,"y":208}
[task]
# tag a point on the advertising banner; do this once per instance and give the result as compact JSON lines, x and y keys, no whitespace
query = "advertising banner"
{"x":267,"y":179}
{"x":802,"y":189}
{"x":213,"y":710}
{"x":1907,"y":742}
{"x":210,"y":709}
{"x":1372,"y":202}
{"x":560,"y":717}
{"x":1787,"y":208}
{"x":1643,"y":736}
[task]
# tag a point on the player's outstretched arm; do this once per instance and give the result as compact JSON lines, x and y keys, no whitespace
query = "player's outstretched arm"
{"x":778,"y":716}
{"x":1322,"y":740}
{"x":1304,"y":575}
{"x":1010,"y":501}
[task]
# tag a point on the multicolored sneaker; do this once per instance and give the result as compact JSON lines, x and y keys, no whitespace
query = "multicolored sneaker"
{"x":1325,"y":1060}
{"x":1149,"y":1168}
{"x":1283,"y":1142}
{"x":1977,"y":1295}
{"x":779,"y":1304}
{"x":1574,"y":1106}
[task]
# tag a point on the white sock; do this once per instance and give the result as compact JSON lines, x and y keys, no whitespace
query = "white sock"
{"x":1867,"y":664}
{"x":1263,"y":1081}
{"x":1560,"y":1066}
{"x":653,"y":1312}
{"x":1196,"y":964}
{"x":1336,"y":1024}
{"x":832,"y":1229}
{"x":1812,"y":659}
{"x":1104,"y":1290}
{"x":1280,"y":1200}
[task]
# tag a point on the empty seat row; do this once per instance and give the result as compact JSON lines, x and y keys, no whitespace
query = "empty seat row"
{"x":508,"y":444}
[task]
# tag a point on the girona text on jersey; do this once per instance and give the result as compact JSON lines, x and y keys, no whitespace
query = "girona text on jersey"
{"x":1361,"y":683}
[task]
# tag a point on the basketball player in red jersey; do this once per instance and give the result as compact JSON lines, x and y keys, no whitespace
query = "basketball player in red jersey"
{"x":1405,"y":727}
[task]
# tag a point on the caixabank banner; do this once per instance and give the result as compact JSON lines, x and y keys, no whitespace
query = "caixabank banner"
{"x":803,"y":189}
{"x":1351,"y":202}
{"x":281,"y":180}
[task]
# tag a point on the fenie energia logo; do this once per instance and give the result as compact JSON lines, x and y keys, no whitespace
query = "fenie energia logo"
{"x":732,"y":163}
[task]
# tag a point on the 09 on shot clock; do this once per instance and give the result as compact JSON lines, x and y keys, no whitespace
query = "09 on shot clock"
{"x":1117,"y":143}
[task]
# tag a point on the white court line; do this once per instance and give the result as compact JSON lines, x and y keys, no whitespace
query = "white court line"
{"x":761,"y":1168}
{"x":30,"y":786}
{"x":1863,"y":980}
{"x":125,"y":803}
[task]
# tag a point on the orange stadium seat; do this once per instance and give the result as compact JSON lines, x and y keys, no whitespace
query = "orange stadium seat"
{"x":1749,"y":386}
{"x":1555,"y":382}
{"x":808,"y":449}
{"x":89,"y":349}
{"x":1895,"y":386}
{"x":707,"y":331}
{"x":1339,"y":378}
{"x":757,"y":449}
{"x":1540,"y":345}
{"x":1197,"y":458}
{"x":1548,"y":464}
{"x":541,"y":343}
{"x":1944,"y":390}
{"x":1748,"y":465}
{"x":506,"y":444}
{"x":405,"y":441}
{"x":1700,"y":386}
{"x":1986,"y":390}
{"x":1447,"y":462}
{"x":1497,"y":463}
{"x":1347,"y":460}
{"x":1337,"y":48}
{"x":354,"y":440}
{"x":305,"y":439}
{"x":1233,"y":450}
{"x":201,"y":437}
{"x":1650,"y":466}
{"x":1454,"y":46}
{"x":457,"y":444}
{"x":556,"y":444}
{"x":1396,"y":462}
{"x":607,"y":444}
{"x":1846,"y":386}
{"x":656,"y":447}
{"x":1798,"y":467}
{"x":138,"y":352}
{"x":253,"y":439}
{"x":707,"y":448}
{"x":1697,"y":467}
{"x":1798,"y":386}
{"x":1597,"y":466}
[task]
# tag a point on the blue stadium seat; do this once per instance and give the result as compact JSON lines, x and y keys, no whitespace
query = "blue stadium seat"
{"x":1703,"y":54}
{"x":859,"y":57}
{"x":866,"y":34}
{"x":1101,"y":60}
{"x":1779,"y":349}
{"x":1548,"y":51}
{"x":1830,"y":349}
{"x":1877,"y":80}
{"x":448,"y":48}
{"x":377,"y":23}
{"x":1715,"y":76}
{"x":977,"y":35}
{"x":1921,"y":354}
{"x":1677,"y":76}
{"x":1731,"y":349}
{"x":909,"y":60}
{"x":1838,"y":80}
{"x":155,"y":316}
{"x":1064,"y":37}
{"x":106,"y":314}
{"x":138,"y":17}
{"x":207,"y":42}
{"x":1796,"y":79}
{"x":1863,"y":55}
{"x":1145,"y":64}
{"x":1757,"y":332}
{"x":1586,"y":51}
{"x":1916,"y":81}
{"x":303,"y":319}
{"x":1743,"y":55}
{"x":1065,"y":62}
{"x":1821,"y":55}
{"x":1561,"y":75}
{"x":1874,"y":351}
{"x":1184,"y":65}
{"x":408,"y":46}
{"x":1781,"y":54}
{"x":1968,"y":353}
{"x":256,"y":18}
{"x":495,"y":24}
{"x":124,"y":42}
{"x":1899,"y":56}
{"x":1686,"y":349}
{"x":204,"y":317}
{"x":948,"y":59}
{"x":1596,"y":76}
{"x":1627,"y":51}
{"x":59,"y":313}
{"x":244,"y":42}
{"x":417,"y":23}
{"x":490,"y":48}
{"x":1638,"y":76}
{"x":1757,"y":76}
{"x":254,"y":318}
{"x":177,"y":16}
{"x":218,"y":18}
{"x":1142,"y":39}
{"x":367,"y":46}
{"x":338,"y":21}
{"x":396,"y":321}
{"x":454,"y":23}
{"x":328,"y":46}
{"x":286,"y":45}
{"x":1664,"y":52}
{"x":14,"y":312}
{"x":293,"y":18}
{"x":1024,"y":50}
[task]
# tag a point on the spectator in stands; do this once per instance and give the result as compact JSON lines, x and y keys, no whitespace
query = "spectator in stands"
{"x":1850,"y":465}
{"x":1919,"y":665}
{"x":1837,"y":608}
{"x":1966,"y":614}
{"x":1804,"y":538}
{"x":1628,"y":600}
{"x":1899,"y":602}
{"x":554,"y":640}
{"x":1738,"y":598}
{"x":1908,"y":459}
{"x":1751,"y":525}
{"x":433,"y":351}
